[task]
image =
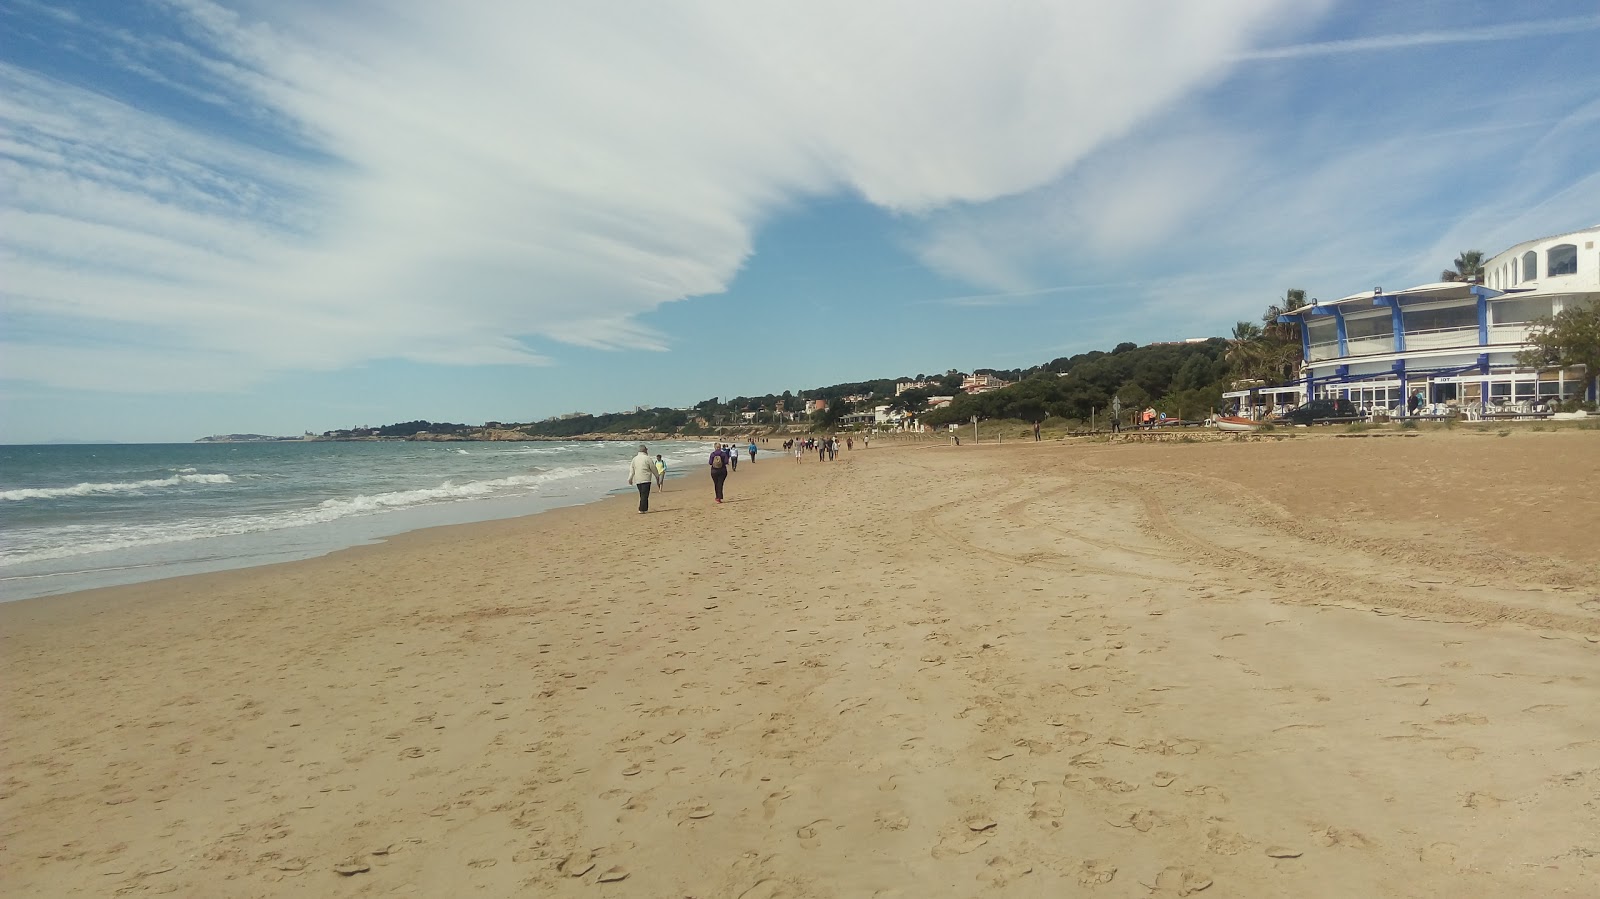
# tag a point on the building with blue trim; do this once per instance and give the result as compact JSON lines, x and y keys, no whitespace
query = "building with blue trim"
{"x":1456,"y":342}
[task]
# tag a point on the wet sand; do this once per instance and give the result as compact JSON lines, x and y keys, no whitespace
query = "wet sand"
{"x":1319,"y":667}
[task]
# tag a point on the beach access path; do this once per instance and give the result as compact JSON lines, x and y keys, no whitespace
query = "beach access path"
{"x":1317,"y":667}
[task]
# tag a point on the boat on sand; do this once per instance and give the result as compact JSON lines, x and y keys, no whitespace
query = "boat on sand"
{"x":1234,"y":423}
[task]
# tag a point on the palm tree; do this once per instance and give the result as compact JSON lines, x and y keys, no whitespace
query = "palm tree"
{"x":1468,"y":267}
{"x":1293,"y":298}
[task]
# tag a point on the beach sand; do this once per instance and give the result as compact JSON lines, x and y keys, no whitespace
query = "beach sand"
{"x":1319,"y":667}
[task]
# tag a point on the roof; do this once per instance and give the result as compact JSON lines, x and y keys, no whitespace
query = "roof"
{"x":1436,"y":288}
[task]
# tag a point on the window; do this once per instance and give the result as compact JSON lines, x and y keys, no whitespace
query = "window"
{"x":1445,"y":319}
{"x":1508,"y":312}
{"x":1371,"y":326}
{"x":1514,"y":278}
{"x":1530,"y":266}
{"x":1563,"y":260}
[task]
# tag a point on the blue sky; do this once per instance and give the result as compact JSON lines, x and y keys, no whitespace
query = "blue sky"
{"x":292,"y":215}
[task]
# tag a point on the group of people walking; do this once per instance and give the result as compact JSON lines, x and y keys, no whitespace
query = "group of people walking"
{"x":645,"y":472}
{"x":826,"y":448}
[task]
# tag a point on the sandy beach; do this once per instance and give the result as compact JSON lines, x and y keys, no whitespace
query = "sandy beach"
{"x":1316,"y":667}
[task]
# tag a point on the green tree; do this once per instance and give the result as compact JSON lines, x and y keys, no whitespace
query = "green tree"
{"x":1293,"y":298}
{"x":1568,"y":340}
{"x":1468,"y":267}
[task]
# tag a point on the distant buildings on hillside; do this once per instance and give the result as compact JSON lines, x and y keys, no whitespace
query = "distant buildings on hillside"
{"x":982,"y":383}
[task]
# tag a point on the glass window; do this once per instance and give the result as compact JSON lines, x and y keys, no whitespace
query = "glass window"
{"x":1530,"y":266}
{"x":1499,"y":390}
{"x":1506,"y":312}
{"x":1514,"y":278}
{"x":1563,"y":260}
{"x":1370,"y":326}
{"x":1322,"y":330}
{"x":1448,"y":318}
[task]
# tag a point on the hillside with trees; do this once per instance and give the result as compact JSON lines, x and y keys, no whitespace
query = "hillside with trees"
{"x":1184,"y":380}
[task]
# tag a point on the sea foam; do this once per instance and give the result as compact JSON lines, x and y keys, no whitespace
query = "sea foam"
{"x":89,"y":489}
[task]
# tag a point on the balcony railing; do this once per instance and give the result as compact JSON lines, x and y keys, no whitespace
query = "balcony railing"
{"x":1328,"y":349}
{"x":1516,"y":333}
{"x":1366,"y":346}
{"x":1442,"y":338}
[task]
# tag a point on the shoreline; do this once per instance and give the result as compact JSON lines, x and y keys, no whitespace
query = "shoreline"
{"x":159,"y":559}
{"x":1028,"y":669}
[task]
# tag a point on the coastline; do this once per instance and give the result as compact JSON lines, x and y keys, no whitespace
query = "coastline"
{"x":1032,"y":668}
{"x":304,"y":535}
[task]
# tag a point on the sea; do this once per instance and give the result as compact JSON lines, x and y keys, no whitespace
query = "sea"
{"x":78,"y":517}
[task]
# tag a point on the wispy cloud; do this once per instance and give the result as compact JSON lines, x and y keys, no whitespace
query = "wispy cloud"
{"x":1503,"y":32}
{"x":462,"y":186}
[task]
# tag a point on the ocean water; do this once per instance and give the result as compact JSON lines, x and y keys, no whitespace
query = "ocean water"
{"x":76,"y":517}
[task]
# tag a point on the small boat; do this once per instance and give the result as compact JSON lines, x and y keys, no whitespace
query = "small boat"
{"x":1234,"y":423}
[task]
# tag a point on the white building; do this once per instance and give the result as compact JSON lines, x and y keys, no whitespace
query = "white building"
{"x":1457,"y":342}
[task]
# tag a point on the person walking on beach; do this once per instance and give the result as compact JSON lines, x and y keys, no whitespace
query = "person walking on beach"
{"x":661,"y":472}
{"x":752,"y":451}
{"x":640,"y":474}
{"x":719,"y":468}
{"x":732,"y":456}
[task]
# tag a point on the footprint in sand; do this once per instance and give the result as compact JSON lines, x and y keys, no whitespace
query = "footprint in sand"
{"x":892,"y":821}
{"x":1481,"y":800}
{"x":1463,"y":753}
{"x":1093,"y":872}
{"x":769,"y":805}
{"x":1163,"y":778}
{"x":1140,"y":819}
{"x":811,"y":834}
{"x":1438,"y":854}
{"x":960,"y":842}
{"x":1047,"y":812}
{"x":1013,"y":783}
{"x":1001,"y":870}
{"x":577,"y":863}
{"x":1338,"y":836}
{"x":1463,"y":718}
{"x":1179,"y":881}
{"x":1112,"y":785}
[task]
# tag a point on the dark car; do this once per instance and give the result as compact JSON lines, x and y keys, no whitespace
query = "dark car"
{"x":1322,"y":412}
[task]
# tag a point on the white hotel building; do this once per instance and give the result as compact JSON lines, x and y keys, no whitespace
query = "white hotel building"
{"x":1455,"y":341}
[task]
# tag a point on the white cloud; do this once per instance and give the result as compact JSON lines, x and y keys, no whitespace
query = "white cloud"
{"x":462,"y":184}
{"x":1502,"y":32}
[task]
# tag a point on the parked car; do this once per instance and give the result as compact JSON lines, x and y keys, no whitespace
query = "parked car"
{"x":1322,"y":412}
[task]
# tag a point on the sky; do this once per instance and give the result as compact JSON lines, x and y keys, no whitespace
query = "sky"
{"x":278,"y":216}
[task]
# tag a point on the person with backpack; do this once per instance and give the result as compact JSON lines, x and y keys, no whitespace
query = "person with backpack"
{"x":719,"y":468}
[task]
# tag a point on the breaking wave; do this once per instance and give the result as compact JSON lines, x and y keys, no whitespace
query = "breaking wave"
{"x":88,"y":489}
